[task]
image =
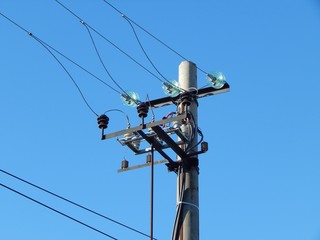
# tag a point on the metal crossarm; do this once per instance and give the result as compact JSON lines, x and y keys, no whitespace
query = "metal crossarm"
{"x":202,"y":92}
{"x":172,"y":144}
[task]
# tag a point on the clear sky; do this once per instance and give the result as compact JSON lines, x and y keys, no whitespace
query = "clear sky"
{"x":258,"y":181}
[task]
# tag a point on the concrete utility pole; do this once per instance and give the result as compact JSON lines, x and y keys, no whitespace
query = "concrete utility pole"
{"x":158,"y":135}
{"x":190,"y":212}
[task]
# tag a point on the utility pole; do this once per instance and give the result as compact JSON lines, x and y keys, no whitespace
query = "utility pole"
{"x":189,"y":229}
{"x":158,"y":135}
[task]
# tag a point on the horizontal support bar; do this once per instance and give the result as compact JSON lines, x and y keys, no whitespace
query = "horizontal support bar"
{"x":148,"y":125}
{"x":141,"y":166}
{"x":200,"y":93}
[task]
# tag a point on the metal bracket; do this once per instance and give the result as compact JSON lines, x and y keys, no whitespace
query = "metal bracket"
{"x":159,"y":139}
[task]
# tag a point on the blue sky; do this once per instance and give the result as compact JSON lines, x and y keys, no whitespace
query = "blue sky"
{"x":258,"y":181}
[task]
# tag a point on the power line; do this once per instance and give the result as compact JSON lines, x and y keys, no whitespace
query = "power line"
{"x":65,"y":69}
{"x":109,"y":41}
{"x":78,"y":65}
{"x":74,"y":203}
{"x":60,"y":63}
{"x":150,"y":34}
{"x":143,"y":50}
{"x":59,"y":212}
{"x":102,"y":63}
{"x":64,"y":56}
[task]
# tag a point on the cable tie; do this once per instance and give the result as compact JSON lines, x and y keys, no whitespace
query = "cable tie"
{"x":190,"y":204}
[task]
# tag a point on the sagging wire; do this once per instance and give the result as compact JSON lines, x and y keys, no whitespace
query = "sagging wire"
{"x":110,"y":42}
{"x":104,"y":66}
{"x":150,"y":34}
{"x":78,"y":65}
{"x":57,"y":211}
{"x":147,"y":56}
{"x":74,"y":203}
{"x":51,"y":49}
{"x":65,"y":69}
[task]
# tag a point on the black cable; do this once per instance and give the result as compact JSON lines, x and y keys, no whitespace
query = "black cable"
{"x":193,"y":136}
{"x":73,"y":203}
{"x":63,"y":55}
{"x":64,"y":68}
{"x":150,"y":34}
{"x":197,"y":144}
{"x":146,"y":55}
{"x":143,"y":50}
{"x":111,"y":43}
{"x":177,"y":220}
{"x":57,"y":211}
{"x":78,"y":65}
{"x":17,"y":25}
{"x":104,"y":66}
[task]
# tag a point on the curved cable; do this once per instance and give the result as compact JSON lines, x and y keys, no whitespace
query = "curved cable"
{"x":118,"y":110}
{"x":73,"y":203}
{"x":147,"y":56}
{"x":65,"y":69}
{"x":143,"y":50}
{"x":60,"y":63}
{"x":104,"y":66}
{"x":111,"y":43}
{"x":82,"y":68}
{"x":59,"y":212}
{"x":62,"y":55}
{"x":199,"y":142}
{"x":150,"y":34}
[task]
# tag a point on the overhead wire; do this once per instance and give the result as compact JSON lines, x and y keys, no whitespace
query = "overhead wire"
{"x":64,"y":56}
{"x":150,"y":34}
{"x":74,"y":203}
{"x":65,"y":69}
{"x":52,"y":54}
{"x":82,"y":68}
{"x":144,"y":51}
{"x":104,"y":66}
{"x":57,"y":211}
{"x":109,"y":41}
{"x":149,"y":59}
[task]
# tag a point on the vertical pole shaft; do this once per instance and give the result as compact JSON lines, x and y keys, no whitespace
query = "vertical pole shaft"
{"x":151,"y":192}
{"x":189,"y":218}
